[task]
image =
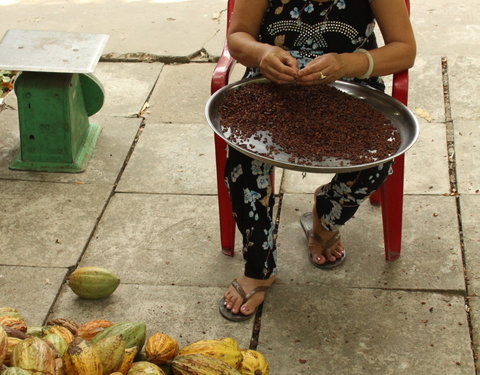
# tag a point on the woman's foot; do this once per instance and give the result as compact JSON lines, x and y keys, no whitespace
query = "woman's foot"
{"x":236,"y":303}
{"x":324,"y":245}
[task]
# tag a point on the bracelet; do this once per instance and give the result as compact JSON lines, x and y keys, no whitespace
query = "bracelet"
{"x":370,"y":63}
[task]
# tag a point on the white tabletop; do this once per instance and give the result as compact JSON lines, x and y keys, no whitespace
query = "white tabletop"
{"x":51,"y":51}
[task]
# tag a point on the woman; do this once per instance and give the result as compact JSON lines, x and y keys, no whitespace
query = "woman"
{"x":307,"y":42}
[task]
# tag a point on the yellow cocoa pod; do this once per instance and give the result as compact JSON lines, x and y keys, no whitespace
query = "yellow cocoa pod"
{"x":198,"y":364}
{"x":11,"y":343}
{"x":90,"y":329}
{"x":160,"y":348}
{"x":110,"y":350}
{"x":144,"y":367}
{"x":116,"y":373}
{"x":63,"y":332}
{"x":226,"y":350}
{"x":127,"y":360}
{"x":81,"y":359}
{"x":253,"y":363}
{"x":35,"y":355}
{"x":93,"y":282}
{"x":67,"y":323}
{"x":13,"y":322}
{"x":3,"y":345}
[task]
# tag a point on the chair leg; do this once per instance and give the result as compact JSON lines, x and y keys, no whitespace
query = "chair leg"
{"x":227,"y":222}
{"x":392,"y":210}
{"x":375,"y":198}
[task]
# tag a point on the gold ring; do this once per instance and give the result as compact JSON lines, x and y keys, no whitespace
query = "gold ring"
{"x":322,"y":76}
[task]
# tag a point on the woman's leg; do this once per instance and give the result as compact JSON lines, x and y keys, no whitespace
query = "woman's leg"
{"x":248,"y":181}
{"x":337,"y":202}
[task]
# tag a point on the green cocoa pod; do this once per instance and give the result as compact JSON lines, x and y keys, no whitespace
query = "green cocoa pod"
{"x":93,"y":282}
{"x":133,"y":333}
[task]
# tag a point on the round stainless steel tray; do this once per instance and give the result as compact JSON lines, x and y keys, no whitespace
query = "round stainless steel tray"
{"x":401,"y":117}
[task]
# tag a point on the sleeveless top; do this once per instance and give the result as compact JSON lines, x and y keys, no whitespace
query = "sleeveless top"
{"x":308,"y":29}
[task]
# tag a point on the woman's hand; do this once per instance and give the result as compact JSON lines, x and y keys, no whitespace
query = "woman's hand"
{"x":278,"y":65}
{"x":322,"y":70}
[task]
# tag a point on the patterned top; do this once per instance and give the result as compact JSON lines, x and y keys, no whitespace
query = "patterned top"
{"x":308,"y":29}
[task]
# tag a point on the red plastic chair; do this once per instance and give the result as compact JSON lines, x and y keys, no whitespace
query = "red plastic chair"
{"x":389,"y":195}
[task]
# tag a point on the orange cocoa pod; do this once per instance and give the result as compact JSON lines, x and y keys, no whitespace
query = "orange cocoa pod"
{"x":90,"y":329}
{"x":160,"y":348}
{"x":12,"y":322}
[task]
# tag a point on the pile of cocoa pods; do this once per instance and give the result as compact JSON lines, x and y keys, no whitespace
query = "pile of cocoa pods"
{"x":101,"y":347}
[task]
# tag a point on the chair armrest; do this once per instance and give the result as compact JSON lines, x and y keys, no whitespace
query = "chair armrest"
{"x":221,"y":72}
{"x":400,"y":86}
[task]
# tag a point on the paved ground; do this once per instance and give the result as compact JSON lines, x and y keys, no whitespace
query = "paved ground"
{"x":146,"y":206}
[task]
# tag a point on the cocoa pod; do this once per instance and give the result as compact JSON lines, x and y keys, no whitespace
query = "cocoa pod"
{"x":15,"y":371}
{"x":226,"y":349}
{"x":36,"y":331}
{"x":67,"y":323}
{"x":11,"y":343}
{"x":3,"y":345}
{"x":144,"y":367}
{"x":90,"y":329}
{"x":160,"y":348}
{"x":59,"y":368}
{"x":127,"y":360}
{"x":198,"y":364}
{"x":60,"y":331}
{"x":12,"y":322}
{"x":81,"y":359}
{"x":133,"y":333}
{"x":58,"y":343}
{"x":93,"y":282}
{"x":12,"y":332}
{"x":110,"y":350}
{"x":34,"y":355}
{"x":253,"y":363}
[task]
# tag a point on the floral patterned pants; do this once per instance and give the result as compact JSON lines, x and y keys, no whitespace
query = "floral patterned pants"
{"x":248,"y":181}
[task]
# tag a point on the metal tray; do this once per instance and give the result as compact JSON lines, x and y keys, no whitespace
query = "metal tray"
{"x":400,"y":116}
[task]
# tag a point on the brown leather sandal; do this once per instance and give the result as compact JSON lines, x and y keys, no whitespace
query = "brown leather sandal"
{"x":306,"y":221}
{"x":239,"y":317}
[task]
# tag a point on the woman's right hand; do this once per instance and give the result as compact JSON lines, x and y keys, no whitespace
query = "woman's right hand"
{"x":278,"y":65}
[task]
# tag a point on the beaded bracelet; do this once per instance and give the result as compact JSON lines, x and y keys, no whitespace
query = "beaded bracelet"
{"x":370,"y":63}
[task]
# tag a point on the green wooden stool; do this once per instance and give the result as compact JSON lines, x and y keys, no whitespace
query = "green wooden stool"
{"x":56,"y":93}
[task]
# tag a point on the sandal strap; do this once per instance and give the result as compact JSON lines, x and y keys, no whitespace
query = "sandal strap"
{"x":247,"y":296}
{"x":326,"y":245}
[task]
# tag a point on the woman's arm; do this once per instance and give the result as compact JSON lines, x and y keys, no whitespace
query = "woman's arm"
{"x":274,"y":62}
{"x":396,"y":55}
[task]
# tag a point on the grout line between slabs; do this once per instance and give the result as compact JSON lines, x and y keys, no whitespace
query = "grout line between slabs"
{"x":452,"y":169}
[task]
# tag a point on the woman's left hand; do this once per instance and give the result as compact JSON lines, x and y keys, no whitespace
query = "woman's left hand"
{"x":323,"y":69}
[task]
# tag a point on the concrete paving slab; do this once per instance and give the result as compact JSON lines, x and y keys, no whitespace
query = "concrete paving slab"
{"x":172,"y":158}
{"x":107,"y":160}
{"x":166,"y":240}
{"x":47,"y":224}
{"x":426,"y":163}
{"x":431,"y":255}
{"x":464,"y":79}
{"x":185,"y":313}
{"x":439,"y":27}
{"x":425,"y":94}
{"x":166,"y":28}
{"x":466,"y":154}
{"x":127,"y":86}
{"x":322,"y":330}
{"x":469,"y":207}
{"x":181,"y":94}
{"x":31,"y":290}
